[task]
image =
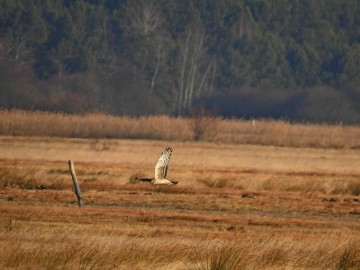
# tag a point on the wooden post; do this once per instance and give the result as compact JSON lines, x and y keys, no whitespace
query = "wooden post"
{"x":76,"y":184}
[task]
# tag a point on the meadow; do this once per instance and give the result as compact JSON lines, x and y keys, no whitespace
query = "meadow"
{"x":290,"y":204}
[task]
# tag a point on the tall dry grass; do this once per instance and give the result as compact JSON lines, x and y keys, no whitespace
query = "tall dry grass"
{"x":46,"y":250}
{"x":26,"y":123}
{"x":61,"y":246}
{"x":283,"y":133}
{"x":263,"y":132}
{"x":332,"y":250}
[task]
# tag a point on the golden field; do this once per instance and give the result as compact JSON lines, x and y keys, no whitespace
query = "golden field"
{"x":237,"y":206}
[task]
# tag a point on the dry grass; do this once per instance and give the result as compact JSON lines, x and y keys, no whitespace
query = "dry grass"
{"x":280,"y":253}
{"x":25,"y":123}
{"x":235,"y":207}
{"x":261,"y":132}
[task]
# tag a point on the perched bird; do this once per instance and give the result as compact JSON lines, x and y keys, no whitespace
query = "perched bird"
{"x":161,"y":170}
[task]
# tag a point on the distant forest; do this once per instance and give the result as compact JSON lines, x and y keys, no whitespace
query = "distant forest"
{"x":291,"y":59}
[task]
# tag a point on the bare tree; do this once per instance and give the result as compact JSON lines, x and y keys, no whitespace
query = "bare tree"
{"x":195,"y":68}
{"x":203,"y":123}
{"x":157,"y":66}
{"x":244,"y":25}
{"x":146,"y":22}
{"x":146,"y":17}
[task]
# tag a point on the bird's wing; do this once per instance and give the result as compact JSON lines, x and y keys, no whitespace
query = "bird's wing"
{"x":163,"y":163}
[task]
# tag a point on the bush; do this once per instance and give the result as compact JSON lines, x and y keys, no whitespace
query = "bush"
{"x":203,"y":124}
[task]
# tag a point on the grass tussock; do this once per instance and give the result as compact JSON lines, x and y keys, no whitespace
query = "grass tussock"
{"x":217,"y":182}
{"x":217,"y":257}
{"x":278,"y":253}
{"x":263,"y":132}
{"x":29,"y":178}
{"x":353,"y":188}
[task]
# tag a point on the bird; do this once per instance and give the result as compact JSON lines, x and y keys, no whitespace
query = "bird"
{"x":161,"y":169}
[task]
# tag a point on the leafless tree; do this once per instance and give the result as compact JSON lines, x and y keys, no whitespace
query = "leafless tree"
{"x":147,"y":22}
{"x":146,"y":17}
{"x":195,"y":68}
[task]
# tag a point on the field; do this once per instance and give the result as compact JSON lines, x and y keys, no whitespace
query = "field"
{"x":237,"y":206}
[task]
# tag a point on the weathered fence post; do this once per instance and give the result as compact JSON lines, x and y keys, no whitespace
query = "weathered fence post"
{"x":76,"y":184}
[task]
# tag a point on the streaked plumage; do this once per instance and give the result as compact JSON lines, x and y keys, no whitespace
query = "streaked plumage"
{"x":161,"y":169}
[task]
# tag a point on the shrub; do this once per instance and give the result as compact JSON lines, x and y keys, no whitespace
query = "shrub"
{"x":203,"y":124}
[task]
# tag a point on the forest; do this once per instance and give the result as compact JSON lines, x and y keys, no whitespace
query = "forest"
{"x":282,"y":59}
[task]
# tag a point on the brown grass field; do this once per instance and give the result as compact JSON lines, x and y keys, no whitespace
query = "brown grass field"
{"x":237,"y":206}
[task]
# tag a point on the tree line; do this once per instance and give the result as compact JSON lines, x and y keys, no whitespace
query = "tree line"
{"x":292,"y":59}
